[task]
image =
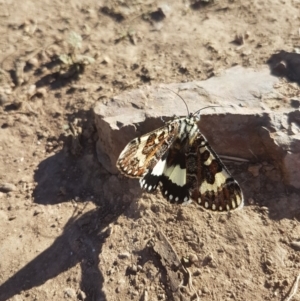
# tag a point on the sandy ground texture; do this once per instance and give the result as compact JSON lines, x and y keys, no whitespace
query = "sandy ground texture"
{"x":66,"y":232}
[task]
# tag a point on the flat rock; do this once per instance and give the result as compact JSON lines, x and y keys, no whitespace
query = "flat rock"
{"x":254,"y":121}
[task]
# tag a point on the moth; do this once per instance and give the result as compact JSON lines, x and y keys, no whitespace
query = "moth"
{"x":178,"y":158}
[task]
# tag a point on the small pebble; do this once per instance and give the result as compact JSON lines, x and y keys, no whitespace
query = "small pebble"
{"x":133,"y":269}
{"x":121,"y":281}
{"x":209,"y":257}
{"x":106,"y":60}
{"x":239,"y":39}
{"x":70,"y":293}
{"x":41,"y":92}
{"x":145,"y":296}
{"x":295,"y":245}
{"x":197,"y":273}
{"x":3,"y":99}
{"x":251,"y":201}
{"x":193,"y":258}
{"x":222,"y":219}
{"x":34,"y":62}
{"x":280,"y":69}
{"x":294,"y":128}
{"x":268,"y":262}
{"x":254,"y":170}
{"x":213,"y":265}
{"x":124,"y":255}
{"x":31,"y":90}
{"x":7,"y":187}
{"x":81,"y":295}
{"x":187,"y":238}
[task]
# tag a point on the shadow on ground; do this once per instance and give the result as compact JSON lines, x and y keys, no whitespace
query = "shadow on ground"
{"x":77,"y":244}
{"x":74,"y":172}
{"x":62,"y":178}
{"x":285,"y":64}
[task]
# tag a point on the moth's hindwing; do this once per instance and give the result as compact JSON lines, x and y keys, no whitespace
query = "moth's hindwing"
{"x":173,"y":179}
{"x":209,"y":181}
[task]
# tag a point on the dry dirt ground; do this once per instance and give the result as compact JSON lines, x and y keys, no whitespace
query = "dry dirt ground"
{"x":62,"y":234}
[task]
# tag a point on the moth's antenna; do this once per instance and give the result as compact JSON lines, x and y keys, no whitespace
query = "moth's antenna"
{"x":181,"y":99}
{"x":205,"y":108}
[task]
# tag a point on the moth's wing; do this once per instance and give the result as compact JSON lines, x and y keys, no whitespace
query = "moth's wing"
{"x":173,"y":178}
{"x":209,"y":181}
{"x":142,"y":154}
{"x":152,"y":178}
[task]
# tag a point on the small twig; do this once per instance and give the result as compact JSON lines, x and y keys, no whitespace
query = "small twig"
{"x":250,"y":150}
{"x":293,"y":289}
{"x":190,"y":283}
{"x":234,"y":158}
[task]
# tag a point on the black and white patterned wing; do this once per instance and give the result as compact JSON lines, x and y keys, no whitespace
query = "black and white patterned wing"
{"x":170,"y":173}
{"x":141,"y":155}
{"x":210,"y":183}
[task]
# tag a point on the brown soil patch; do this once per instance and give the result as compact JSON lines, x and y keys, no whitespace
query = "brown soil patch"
{"x":67,"y":232}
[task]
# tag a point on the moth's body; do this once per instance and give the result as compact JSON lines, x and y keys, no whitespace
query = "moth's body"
{"x":178,"y":157}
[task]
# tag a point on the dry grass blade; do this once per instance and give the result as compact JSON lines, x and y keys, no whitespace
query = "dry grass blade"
{"x":293,"y":289}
